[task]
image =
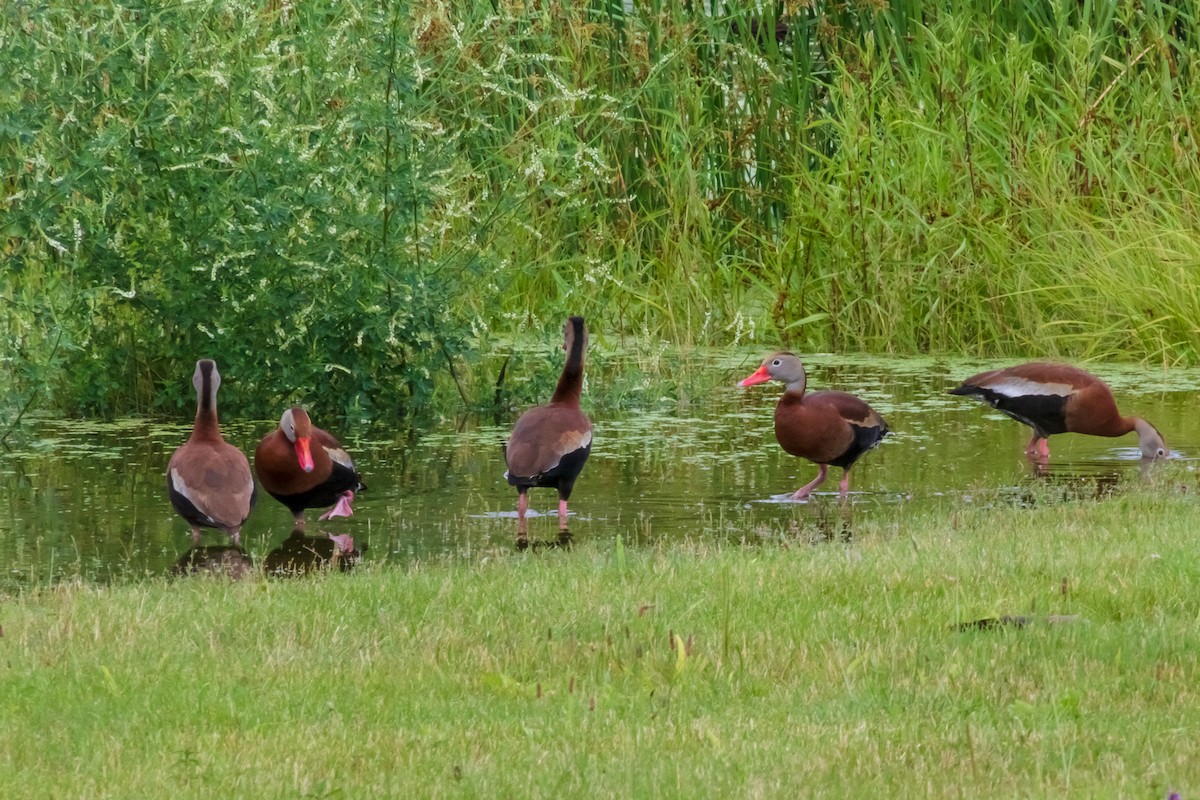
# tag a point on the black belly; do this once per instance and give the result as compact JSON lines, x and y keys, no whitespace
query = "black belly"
{"x":194,"y":516}
{"x":1045,"y":413}
{"x":186,"y":509}
{"x":325,"y":494}
{"x":561,"y":477}
{"x":864,"y":439}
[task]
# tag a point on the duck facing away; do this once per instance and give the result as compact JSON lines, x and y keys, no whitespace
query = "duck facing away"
{"x":302,"y":467}
{"x":550,"y":444}
{"x":208,"y":479}
{"x":1058,"y":398}
{"x":827,"y":428}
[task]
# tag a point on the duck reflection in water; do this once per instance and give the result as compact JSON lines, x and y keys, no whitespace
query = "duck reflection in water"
{"x":563,"y":540}
{"x":1067,"y":482}
{"x":224,"y":561}
{"x":834,"y":524}
{"x":299,"y":554}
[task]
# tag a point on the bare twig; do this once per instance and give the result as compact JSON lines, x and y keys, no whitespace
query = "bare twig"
{"x":32,"y":396}
{"x":1090,"y":114}
{"x":454,"y":374}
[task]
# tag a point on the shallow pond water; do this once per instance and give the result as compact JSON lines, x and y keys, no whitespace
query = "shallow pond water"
{"x":88,"y":498}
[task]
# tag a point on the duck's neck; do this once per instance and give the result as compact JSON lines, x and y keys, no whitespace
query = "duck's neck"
{"x":1149,"y":439}
{"x":570,"y":382}
{"x":795,"y":389}
{"x":205,"y":426}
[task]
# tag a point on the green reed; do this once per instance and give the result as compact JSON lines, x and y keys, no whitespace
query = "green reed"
{"x":882,"y":178}
{"x":428,"y":181}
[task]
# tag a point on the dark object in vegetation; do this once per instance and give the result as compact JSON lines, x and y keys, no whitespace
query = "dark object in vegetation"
{"x":208,"y":479}
{"x":550,"y":444}
{"x":299,"y":554}
{"x":827,"y":428}
{"x":302,"y":467}
{"x":760,"y":31}
{"x":228,"y":561}
{"x":1058,"y":398}
{"x":1015,"y":621}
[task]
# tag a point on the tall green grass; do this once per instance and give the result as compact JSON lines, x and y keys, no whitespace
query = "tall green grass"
{"x":406,"y":185}
{"x":915,"y":177}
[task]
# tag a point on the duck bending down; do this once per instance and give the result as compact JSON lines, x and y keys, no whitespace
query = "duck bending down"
{"x":1058,"y":398}
{"x":827,"y":428}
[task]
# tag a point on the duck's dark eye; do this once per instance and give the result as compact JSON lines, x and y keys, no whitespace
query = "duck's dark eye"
{"x":776,"y":363}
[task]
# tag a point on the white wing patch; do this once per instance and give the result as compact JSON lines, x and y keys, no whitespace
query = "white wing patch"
{"x":340,"y":456}
{"x":181,"y":487}
{"x":571,"y":441}
{"x":1022,"y":387}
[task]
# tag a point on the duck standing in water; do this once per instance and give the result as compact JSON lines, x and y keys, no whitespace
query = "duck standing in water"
{"x":1058,"y":398}
{"x":827,"y":428}
{"x":550,"y":444}
{"x":208,"y":480}
{"x":302,"y":467}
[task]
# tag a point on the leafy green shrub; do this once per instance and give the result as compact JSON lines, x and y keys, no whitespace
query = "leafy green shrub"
{"x":252,"y":185}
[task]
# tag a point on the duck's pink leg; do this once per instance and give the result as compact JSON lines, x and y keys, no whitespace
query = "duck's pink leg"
{"x":341,"y":508}
{"x":804,"y":491}
{"x":343,"y":541}
{"x":522,"y":507}
{"x":562,"y":515}
{"x":844,"y":484}
{"x":1038,"y":447}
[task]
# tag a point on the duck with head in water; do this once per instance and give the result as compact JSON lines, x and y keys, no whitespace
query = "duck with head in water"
{"x":1058,"y":398}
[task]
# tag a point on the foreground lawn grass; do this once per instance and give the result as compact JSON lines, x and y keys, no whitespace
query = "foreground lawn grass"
{"x":765,"y":670}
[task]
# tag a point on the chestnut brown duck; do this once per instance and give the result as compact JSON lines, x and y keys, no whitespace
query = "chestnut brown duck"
{"x":1058,"y":398}
{"x":827,"y":428}
{"x":302,"y":467}
{"x":550,"y":444}
{"x":208,"y":479}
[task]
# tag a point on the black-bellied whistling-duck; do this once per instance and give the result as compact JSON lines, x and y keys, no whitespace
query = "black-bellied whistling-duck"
{"x":827,"y":428}
{"x":208,"y":479}
{"x":302,"y":467}
{"x":1058,"y":398}
{"x":551,"y":443}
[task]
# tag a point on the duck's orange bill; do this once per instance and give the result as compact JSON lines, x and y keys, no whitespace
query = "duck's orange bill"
{"x":759,"y":376}
{"x":304,"y":453}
